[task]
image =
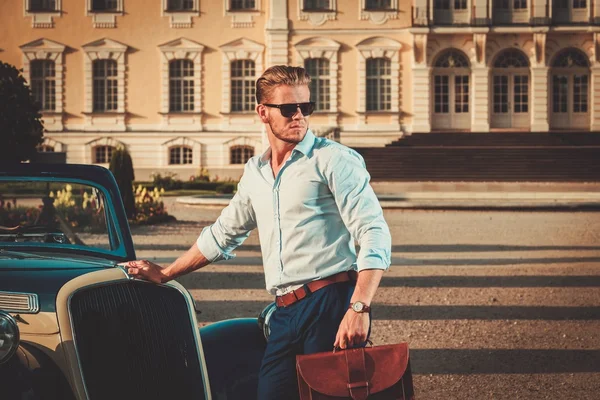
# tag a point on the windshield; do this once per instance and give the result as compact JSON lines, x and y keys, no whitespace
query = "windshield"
{"x":54,"y":214}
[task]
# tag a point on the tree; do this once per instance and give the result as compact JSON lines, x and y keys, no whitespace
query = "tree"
{"x":122,"y":168}
{"x":21,"y":128}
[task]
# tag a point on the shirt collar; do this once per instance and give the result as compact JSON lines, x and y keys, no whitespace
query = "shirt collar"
{"x":304,"y":147}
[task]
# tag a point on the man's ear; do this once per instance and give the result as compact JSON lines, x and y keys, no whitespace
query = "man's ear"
{"x":262,"y":113}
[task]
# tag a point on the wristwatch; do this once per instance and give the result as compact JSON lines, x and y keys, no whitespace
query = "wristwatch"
{"x":359,"y":307}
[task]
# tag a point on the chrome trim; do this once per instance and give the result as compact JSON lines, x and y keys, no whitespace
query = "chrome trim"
{"x":32,"y":307}
{"x":12,"y":321}
{"x":188,"y":299}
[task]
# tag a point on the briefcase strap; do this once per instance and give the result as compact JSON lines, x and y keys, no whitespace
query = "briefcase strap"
{"x":358,"y":386}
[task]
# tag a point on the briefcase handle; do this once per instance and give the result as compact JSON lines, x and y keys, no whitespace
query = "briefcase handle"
{"x":338,"y":348}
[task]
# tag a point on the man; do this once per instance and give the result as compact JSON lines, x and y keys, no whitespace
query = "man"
{"x":309,"y":198}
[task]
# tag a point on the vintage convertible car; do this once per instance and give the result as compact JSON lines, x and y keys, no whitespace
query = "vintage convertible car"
{"x":74,"y":325}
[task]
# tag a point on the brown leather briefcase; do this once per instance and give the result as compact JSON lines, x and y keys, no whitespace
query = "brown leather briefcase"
{"x":373,"y":373}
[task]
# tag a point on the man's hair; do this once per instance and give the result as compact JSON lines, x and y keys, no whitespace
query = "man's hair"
{"x":279,"y":75}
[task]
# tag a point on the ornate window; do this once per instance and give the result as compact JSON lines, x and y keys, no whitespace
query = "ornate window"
{"x":318,"y":69}
{"x":450,"y":4}
{"x":180,"y":12}
{"x":239,"y":58}
{"x":317,"y":12}
{"x":451,"y":74}
{"x":378,"y":11}
{"x":43,"y":84}
{"x":241,"y":154}
{"x":104,"y":88}
{"x":320,"y":57}
{"x":180,"y":155}
{"x":104,"y":12}
{"x":105,"y":85}
{"x":42,"y":11}
{"x":243,"y":85}
{"x":379,"y":84}
{"x":43,"y":69}
{"x":102,"y":154}
{"x":242,"y":12}
{"x":570,"y":90}
{"x":181,"y":86}
{"x":379,"y":68}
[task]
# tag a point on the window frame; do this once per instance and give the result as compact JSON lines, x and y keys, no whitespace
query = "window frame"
{"x":247,"y":102}
{"x":186,"y":153}
{"x":106,"y":17}
{"x":246,"y":152}
{"x":185,"y":82}
{"x":44,"y":80}
{"x":107,"y":151}
{"x":106,"y":99}
{"x":322,"y":81}
{"x":383,"y":81}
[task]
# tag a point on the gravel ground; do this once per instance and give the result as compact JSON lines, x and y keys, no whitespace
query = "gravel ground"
{"x":494,"y":305}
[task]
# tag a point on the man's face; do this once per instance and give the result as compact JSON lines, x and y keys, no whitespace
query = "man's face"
{"x":287,"y":129}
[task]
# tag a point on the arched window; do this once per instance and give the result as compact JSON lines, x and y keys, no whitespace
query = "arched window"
{"x":318,"y":69}
{"x":105,"y":85}
{"x":242,"y":85}
{"x":181,"y":85}
{"x":43,"y":84}
{"x":451,"y":75}
{"x":570,"y":71}
{"x":102,"y":154}
{"x":241,"y":154}
{"x":379,"y":84}
{"x":510,"y":90}
{"x":180,"y":155}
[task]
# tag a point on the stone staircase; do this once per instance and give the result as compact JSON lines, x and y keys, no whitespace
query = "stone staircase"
{"x":503,"y":157}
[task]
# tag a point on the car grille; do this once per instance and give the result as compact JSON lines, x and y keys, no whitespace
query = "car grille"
{"x":135,"y":340}
{"x":19,"y":302}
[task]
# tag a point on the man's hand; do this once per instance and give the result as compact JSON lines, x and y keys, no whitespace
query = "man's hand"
{"x":353,"y":330}
{"x":143,"y":269}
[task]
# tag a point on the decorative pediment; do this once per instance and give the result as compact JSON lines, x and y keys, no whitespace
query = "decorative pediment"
{"x":181,"y":48}
{"x":242,"y":48}
{"x":318,"y":42}
{"x":242,"y":141}
{"x":181,"y":44}
{"x":105,"y":44}
{"x":181,"y":141}
{"x":376,"y":47}
{"x":43,"y":44}
{"x":105,"y":141}
{"x":42,"y":49}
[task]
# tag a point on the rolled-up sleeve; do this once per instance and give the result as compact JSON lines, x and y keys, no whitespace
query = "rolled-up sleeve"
{"x":218,"y":241}
{"x":359,"y":208}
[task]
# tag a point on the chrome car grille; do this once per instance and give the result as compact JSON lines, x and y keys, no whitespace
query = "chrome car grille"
{"x":26,"y":303}
{"x":135,"y":340}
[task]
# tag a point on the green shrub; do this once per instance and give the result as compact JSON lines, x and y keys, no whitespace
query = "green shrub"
{"x":122,"y":168}
{"x":167,"y":182}
{"x":21,"y":127}
{"x":226,"y":188}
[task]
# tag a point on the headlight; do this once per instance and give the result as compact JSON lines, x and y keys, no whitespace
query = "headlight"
{"x":264,"y":318}
{"x":9,"y":336}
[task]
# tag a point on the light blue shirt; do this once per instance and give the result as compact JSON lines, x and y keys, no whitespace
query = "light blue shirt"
{"x":307,"y":217}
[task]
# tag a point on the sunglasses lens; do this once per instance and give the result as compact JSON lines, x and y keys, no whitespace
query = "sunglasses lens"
{"x":307,"y":108}
{"x":288,"y":110}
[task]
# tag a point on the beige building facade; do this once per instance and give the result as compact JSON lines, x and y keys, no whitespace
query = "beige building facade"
{"x":173,"y":80}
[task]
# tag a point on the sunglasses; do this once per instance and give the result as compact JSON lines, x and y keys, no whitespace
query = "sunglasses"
{"x":290,"y":109}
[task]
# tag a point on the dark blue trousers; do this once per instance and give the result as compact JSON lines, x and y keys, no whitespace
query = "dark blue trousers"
{"x":305,"y":327}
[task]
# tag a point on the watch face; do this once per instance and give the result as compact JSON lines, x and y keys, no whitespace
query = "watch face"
{"x":358,"y":306}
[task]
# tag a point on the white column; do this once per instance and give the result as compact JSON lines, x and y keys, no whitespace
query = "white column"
{"x":539,"y":99}
{"x":480,"y":110}
{"x":277,"y":33}
{"x":421,"y":121}
{"x":595,"y":98}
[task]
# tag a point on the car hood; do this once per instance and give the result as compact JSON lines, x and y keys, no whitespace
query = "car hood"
{"x":44,"y":275}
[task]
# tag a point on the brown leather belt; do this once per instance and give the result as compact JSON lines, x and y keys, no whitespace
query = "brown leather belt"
{"x":300,"y":293}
